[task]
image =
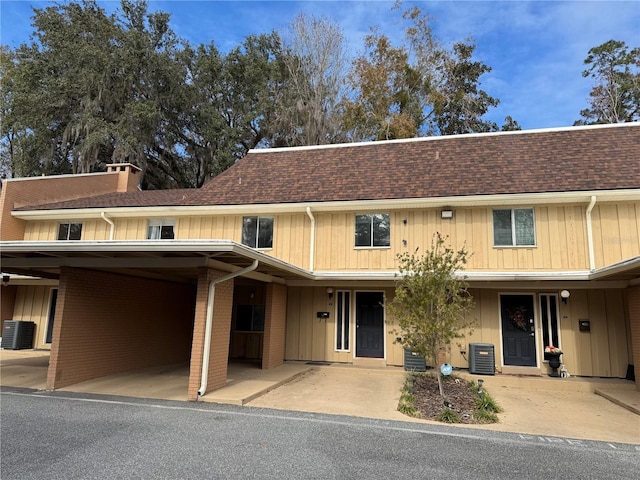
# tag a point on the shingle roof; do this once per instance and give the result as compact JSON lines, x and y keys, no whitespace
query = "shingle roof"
{"x":537,"y":161}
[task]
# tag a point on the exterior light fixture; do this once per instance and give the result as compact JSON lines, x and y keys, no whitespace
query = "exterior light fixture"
{"x":5,"y":280}
{"x":447,"y":213}
{"x":330,"y":292}
{"x":565,"y":294}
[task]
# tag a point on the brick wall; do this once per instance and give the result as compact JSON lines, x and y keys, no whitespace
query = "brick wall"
{"x":108,"y":323}
{"x":633,"y":295}
{"x":274,"y":326}
{"x":220,"y":333}
{"x":22,"y":192}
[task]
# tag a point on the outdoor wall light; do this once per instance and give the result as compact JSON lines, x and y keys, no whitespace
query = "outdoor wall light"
{"x":5,"y":280}
{"x":330,"y":292}
{"x":447,"y":213}
{"x":565,"y":294}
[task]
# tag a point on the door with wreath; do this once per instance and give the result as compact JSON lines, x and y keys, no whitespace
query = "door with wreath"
{"x":518,"y":330}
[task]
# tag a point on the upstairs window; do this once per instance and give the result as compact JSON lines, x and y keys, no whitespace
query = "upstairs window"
{"x":513,"y":227}
{"x":161,"y":229}
{"x":69,"y":231}
{"x":257,"y":232}
{"x":373,"y":230}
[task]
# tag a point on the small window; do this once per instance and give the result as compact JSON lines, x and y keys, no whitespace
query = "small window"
{"x":549,"y":320}
{"x":513,"y":227}
{"x":373,"y":230}
{"x":69,"y":231}
{"x":250,"y":318}
{"x":343,"y":322}
{"x":257,"y":232}
{"x":161,"y":229}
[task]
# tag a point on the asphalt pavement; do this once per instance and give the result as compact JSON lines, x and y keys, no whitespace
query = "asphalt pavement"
{"x":565,"y":408}
{"x":66,"y":435}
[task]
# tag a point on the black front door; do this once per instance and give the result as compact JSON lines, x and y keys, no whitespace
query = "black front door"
{"x":369,"y":324}
{"x":518,"y":330}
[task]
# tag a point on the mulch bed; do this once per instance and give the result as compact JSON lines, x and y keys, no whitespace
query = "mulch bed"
{"x":458,"y":395}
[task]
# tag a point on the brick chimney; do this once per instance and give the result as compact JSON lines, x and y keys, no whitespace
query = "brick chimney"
{"x":128,"y":176}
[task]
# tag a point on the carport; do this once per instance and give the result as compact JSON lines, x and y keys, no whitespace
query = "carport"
{"x":131,"y":305}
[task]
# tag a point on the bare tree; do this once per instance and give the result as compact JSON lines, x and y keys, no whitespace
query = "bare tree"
{"x":316,"y":62}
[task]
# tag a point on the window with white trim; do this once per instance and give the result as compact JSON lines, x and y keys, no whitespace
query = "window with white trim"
{"x":343,"y":319}
{"x":549,"y":319}
{"x":69,"y":231}
{"x":514,"y":227}
{"x":373,"y":230}
{"x":161,"y":229}
{"x":257,"y":232}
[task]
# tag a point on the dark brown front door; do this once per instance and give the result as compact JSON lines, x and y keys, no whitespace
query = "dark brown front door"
{"x":518,"y":330}
{"x":369,"y":324}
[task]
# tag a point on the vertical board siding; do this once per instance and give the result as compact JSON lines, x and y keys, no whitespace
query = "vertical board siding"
{"x":32,"y":305}
{"x":602,"y":352}
{"x":616,"y":232}
{"x":561,"y":237}
{"x":561,"y":240}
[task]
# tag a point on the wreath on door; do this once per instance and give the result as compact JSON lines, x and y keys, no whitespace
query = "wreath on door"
{"x":518,"y":317}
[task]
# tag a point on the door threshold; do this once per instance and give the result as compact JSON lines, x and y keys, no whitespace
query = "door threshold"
{"x":517,"y":370}
{"x":369,"y":362}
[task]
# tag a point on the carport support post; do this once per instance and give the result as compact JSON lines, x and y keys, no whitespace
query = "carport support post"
{"x":633,"y":300}
{"x":220,"y":333}
{"x":274,"y":326}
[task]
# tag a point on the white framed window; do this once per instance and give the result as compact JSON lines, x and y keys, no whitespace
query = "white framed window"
{"x":550,"y":321}
{"x":373,"y":230}
{"x":69,"y":231}
{"x":257,"y":232}
{"x":343,"y":321}
{"x":514,"y":227}
{"x":161,"y":229}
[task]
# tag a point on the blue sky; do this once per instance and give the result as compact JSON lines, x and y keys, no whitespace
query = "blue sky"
{"x":536,"y":49}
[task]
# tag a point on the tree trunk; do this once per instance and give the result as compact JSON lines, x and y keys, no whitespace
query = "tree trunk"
{"x":440,"y":381}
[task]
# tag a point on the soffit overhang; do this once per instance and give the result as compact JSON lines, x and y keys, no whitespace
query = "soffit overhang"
{"x":181,"y":260}
{"x":174,"y":260}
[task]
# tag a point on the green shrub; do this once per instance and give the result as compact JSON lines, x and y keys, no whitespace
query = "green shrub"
{"x":407,"y":399}
{"x":487,"y":404}
{"x":485,"y":416}
{"x":449,"y":416}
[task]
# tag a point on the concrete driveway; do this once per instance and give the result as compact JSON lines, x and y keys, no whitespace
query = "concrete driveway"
{"x":541,"y":406}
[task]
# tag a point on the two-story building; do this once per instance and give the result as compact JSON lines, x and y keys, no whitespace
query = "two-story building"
{"x":291,"y":255}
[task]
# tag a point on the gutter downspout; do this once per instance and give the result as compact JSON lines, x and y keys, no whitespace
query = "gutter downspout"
{"x":592,"y":256}
{"x":312,"y":243}
{"x":110,"y":222}
{"x":207,"y":335}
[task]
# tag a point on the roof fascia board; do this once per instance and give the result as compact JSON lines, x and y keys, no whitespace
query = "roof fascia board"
{"x":55,"y":177}
{"x":444,"y":138}
{"x":620,"y":267}
{"x":469,"y":276}
{"x":547,"y":286}
{"x":357,"y":205}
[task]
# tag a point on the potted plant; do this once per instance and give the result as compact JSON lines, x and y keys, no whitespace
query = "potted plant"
{"x":552,"y":354}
